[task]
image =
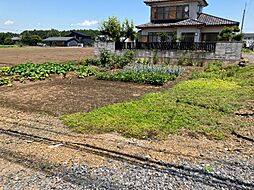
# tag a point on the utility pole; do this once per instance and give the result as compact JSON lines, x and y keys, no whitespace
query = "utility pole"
{"x":244,"y":13}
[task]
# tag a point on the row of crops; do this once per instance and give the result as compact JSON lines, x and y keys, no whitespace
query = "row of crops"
{"x":149,"y":74}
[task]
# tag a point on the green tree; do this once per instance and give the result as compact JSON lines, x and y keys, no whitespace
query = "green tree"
{"x":30,"y":40}
{"x":230,"y":34}
{"x":112,"y":28}
{"x":3,"y":36}
{"x":8,"y":41}
{"x":164,"y":36}
{"x":128,"y":30}
{"x":116,"y":30}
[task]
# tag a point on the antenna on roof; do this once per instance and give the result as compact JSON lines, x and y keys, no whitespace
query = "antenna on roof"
{"x":244,"y":13}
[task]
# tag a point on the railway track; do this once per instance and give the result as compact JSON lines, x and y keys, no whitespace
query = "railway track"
{"x":123,"y":157}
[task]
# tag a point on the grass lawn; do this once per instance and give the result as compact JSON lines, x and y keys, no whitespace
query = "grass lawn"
{"x":205,"y":105}
{"x":246,"y":50}
{"x":8,"y":46}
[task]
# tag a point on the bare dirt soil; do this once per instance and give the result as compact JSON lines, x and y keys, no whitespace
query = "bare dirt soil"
{"x":13,"y":56}
{"x":69,"y":95}
{"x":58,"y":95}
{"x":249,"y":56}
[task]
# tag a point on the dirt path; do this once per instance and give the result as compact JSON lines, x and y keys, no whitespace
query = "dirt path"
{"x":249,"y":56}
{"x":41,"y":143}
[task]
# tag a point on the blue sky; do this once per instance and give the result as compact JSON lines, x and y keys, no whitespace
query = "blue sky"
{"x":18,"y":15}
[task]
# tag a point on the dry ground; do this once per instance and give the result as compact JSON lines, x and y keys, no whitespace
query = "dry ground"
{"x":69,"y":95}
{"x":13,"y":56}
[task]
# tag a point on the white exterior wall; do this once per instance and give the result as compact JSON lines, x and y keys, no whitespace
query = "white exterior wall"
{"x":212,"y":29}
{"x":189,"y":30}
{"x":146,"y":31}
{"x":194,"y":10}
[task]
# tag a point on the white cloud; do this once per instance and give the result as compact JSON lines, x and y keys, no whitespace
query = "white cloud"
{"x":9,"y":22}
{"x":86,"y":23}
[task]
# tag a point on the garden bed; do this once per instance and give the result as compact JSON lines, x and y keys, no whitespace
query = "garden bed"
{"x":204,"y":106}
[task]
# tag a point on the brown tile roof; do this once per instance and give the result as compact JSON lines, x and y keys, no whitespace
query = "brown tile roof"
{"x":203,"y":2}
{"x":211,"y":20}
{"x":189,"y":22}
{"x":203,"y":20}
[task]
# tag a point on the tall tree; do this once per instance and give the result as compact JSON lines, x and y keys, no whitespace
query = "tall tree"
{"x":30,"y":39}
{"x":112,"y":28}
{"x":118,"y":31}
{"x":128,"y":30}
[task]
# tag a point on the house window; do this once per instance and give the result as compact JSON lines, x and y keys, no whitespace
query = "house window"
{"x":209,"y":37}
{"x":153,"y":37}
{"x":158,"y":37}
{"x":170,"y":13}
{"x":188,"y":37}
{"x":182,"y":12}
{"x":160,"y":13}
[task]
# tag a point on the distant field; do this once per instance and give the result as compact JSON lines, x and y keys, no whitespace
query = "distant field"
{"x":13,"y":56}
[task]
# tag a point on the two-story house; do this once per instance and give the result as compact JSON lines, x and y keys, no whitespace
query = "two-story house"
{"x":182,"y":20}
{"x":248,"y":38}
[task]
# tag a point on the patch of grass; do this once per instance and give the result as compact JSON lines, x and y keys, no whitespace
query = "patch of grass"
{"x":208,"y":168}
{"x":8,"y":46}
{"x":246,"y":50}
{"x":244,"y":76}
{"x":203,"y":106}
{"x":137,"y":77}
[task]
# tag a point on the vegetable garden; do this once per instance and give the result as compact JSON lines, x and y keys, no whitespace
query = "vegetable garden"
{"x":108,"y":67}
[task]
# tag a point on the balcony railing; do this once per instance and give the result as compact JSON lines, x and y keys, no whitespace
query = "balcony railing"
{"x":196,"y":46}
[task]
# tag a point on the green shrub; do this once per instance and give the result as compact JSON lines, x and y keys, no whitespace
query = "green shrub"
{"x":4,"y":81}
{"x":90,"y":61}
{"x":214,"y":66}
{"x":4,"y":71}
{"x":115,"y":61}
{"x":137,"y":77}
{"x":84,"y":71}
{"x":185,"y":61}
{"x":106,"y":58}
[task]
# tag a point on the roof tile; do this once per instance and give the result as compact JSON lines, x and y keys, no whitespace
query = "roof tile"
{"x":203,"y":19}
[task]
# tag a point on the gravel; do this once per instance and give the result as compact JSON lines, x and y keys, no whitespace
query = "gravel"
{"x":228,"y":173}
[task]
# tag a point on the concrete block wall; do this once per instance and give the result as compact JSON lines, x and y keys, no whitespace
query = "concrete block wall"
{"x":228,"y":51}
{"x":100,"y":46}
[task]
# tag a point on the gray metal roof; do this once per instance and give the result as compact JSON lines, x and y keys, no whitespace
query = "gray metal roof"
{"x":248,"y":35}
{"x":203,"y":19}
{"x":15,"y":38}
{"x":59,"y":39}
